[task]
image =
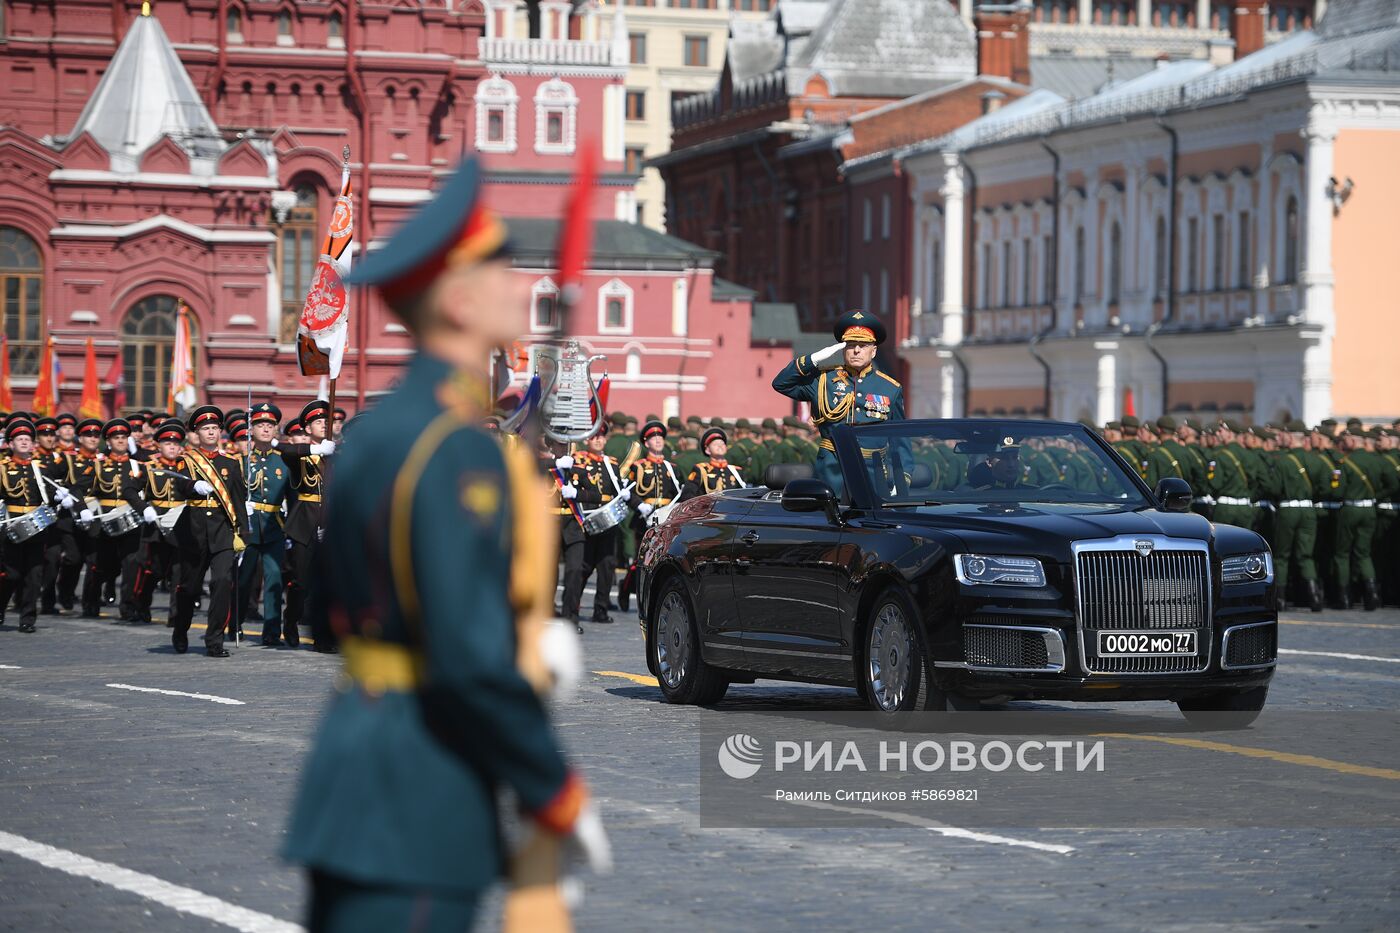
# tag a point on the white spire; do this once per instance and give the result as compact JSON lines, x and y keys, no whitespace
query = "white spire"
{"x":146,"y":94}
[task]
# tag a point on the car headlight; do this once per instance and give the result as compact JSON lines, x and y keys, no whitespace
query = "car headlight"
{"x":984,"y":569}
{"x":1248,"y":568}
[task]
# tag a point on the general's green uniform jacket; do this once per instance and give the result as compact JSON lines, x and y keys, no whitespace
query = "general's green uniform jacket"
{"x":401,"y":788}
{"x":870,"y":397}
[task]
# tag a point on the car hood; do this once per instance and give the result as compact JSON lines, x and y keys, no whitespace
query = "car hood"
{"x":1049,"y":531}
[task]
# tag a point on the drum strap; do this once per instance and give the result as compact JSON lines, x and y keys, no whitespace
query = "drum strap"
{"x":612,"y":475}
{"x":737,"y":478}
{"x":39,"y":480}
{"x":671,"y":471}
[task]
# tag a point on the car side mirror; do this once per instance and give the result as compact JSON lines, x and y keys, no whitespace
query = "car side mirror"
{"x":1174,"y":493}
{"x":810,"y":495}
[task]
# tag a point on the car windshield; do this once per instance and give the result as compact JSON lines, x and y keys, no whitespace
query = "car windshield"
{"x":918,"y":463}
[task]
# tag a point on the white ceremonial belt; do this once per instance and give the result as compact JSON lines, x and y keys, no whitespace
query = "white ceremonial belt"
{"x":1389,"y":506}
{"x":1329,"y":505}
{"x":1205,"y":500}
{"x":1360,"y":503}
{"x":1296,"y":504}
{"x":1232,"y":500}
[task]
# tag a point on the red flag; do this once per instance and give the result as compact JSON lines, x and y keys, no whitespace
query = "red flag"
{"x":91,"y":405}
{"x":576,"y":234}
{"x":324,"y":326}
{"x":596,"y":409}
{"x":183,"y":393}
{"x":7,"y":401}
{"x":45,"y":392}
{"x":117,"y":378}
{"x":1128,"y":408}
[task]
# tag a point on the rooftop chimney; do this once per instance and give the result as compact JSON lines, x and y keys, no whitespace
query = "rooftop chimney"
{"x":1004,"y":40}
{"x":1247,"y":21}
{"x":992,"y":101}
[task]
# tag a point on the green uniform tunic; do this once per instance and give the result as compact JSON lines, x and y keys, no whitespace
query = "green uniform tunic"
{"x":400,"y":789}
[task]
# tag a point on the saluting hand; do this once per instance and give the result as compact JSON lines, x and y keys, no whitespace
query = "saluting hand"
{"x":824,"y":358}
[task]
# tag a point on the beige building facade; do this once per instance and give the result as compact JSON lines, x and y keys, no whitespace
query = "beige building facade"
{"x":675,"y":48}
{"x":1208,"y":240}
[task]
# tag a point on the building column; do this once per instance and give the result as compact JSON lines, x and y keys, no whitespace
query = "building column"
{"x":1106,"y":394}
{"x":1202,"y":14}
{"x":1264,"y":232}
{"x":1316,"y":277}
{"x":951,"y":404}
{"x":1317,"y":379}
{"x":1144,"y":13}
{"x":954,"y":232}
{"x":1086,"y":12}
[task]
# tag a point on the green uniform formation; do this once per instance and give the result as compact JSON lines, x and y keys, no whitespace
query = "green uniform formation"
{"x":1327,"y":498}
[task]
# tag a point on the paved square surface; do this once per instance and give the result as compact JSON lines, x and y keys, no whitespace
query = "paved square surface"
{"x":189,"y":797}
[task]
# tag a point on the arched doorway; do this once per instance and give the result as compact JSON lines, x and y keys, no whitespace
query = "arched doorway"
{"x":148,"y":343}
{"x":22,"y":291}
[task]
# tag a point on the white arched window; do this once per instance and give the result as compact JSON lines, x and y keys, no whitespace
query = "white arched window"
{"x":544,"y":307}
{"x":496,"y":106}
{"x":615,"y":308}
{"x":556,"y":118}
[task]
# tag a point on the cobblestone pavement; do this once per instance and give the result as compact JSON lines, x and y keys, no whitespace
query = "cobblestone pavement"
{"x":195,"y":793}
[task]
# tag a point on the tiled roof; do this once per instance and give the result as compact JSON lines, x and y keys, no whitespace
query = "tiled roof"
{"x":1074,"y":76}
{"x":617,"y":244}
{"x":886,"y":48}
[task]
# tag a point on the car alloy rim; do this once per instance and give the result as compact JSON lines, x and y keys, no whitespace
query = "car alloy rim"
{"x":672,"y":640}
{"x":890,"y":657}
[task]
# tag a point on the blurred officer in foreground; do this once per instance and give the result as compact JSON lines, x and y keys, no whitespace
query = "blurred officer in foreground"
{"x":434,"y":578}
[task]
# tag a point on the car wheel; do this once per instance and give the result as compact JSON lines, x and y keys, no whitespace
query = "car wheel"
{"x":682,"y":673}
{"x":1228,"y":709}
{"x":894,"y":671}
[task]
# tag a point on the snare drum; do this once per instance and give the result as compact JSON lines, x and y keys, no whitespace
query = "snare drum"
{"x":608,"y":517}
{"x":661,"y":514}
{"x":118,"y":521}
{"x":21,"y":528}
{"x":166,"y":522}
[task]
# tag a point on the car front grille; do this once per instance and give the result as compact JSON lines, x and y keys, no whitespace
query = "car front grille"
{"x":1251,"y":645}
{"x":1120,"y":589}
{"x":1001,"y":647}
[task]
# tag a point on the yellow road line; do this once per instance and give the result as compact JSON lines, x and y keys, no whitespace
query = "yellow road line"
{"x":645,"y":680}
{"x":1339,"y":624}
{"x":1307,"y":761}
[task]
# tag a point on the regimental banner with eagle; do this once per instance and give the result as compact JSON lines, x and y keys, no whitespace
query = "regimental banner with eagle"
{"x":325,"y":318}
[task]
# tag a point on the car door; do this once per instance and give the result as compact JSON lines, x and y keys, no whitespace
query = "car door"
{"x":709,"y":543}
{"x":785,"y":585}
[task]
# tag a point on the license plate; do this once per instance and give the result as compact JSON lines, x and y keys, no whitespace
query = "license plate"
{"x":1146,"y":644}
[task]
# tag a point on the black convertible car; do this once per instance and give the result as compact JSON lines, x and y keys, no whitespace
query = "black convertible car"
{"x":964,"y":562}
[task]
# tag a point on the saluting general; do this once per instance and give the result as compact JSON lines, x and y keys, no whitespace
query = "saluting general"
{"x":843,"y":385}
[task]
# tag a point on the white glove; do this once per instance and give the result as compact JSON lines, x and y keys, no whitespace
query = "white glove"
{"x":273,"y":442}
{"x":320,"y":534}
{"x":130,"y":444}
{"x":323,"y":448}
{"x":149,"y":516}
{"x":248,"y":507}
{"x":569,"y":491}
{"x":562,"y":655}
{"x":289,"y":544}
{"x":588,"y":842}
{"x":626,"y":493}
{"x":565,"y":462}
{"x":823,"y":356}
{"x":202,"y":488}
{"x":85,"y":516}
{"x":645,"y":509}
